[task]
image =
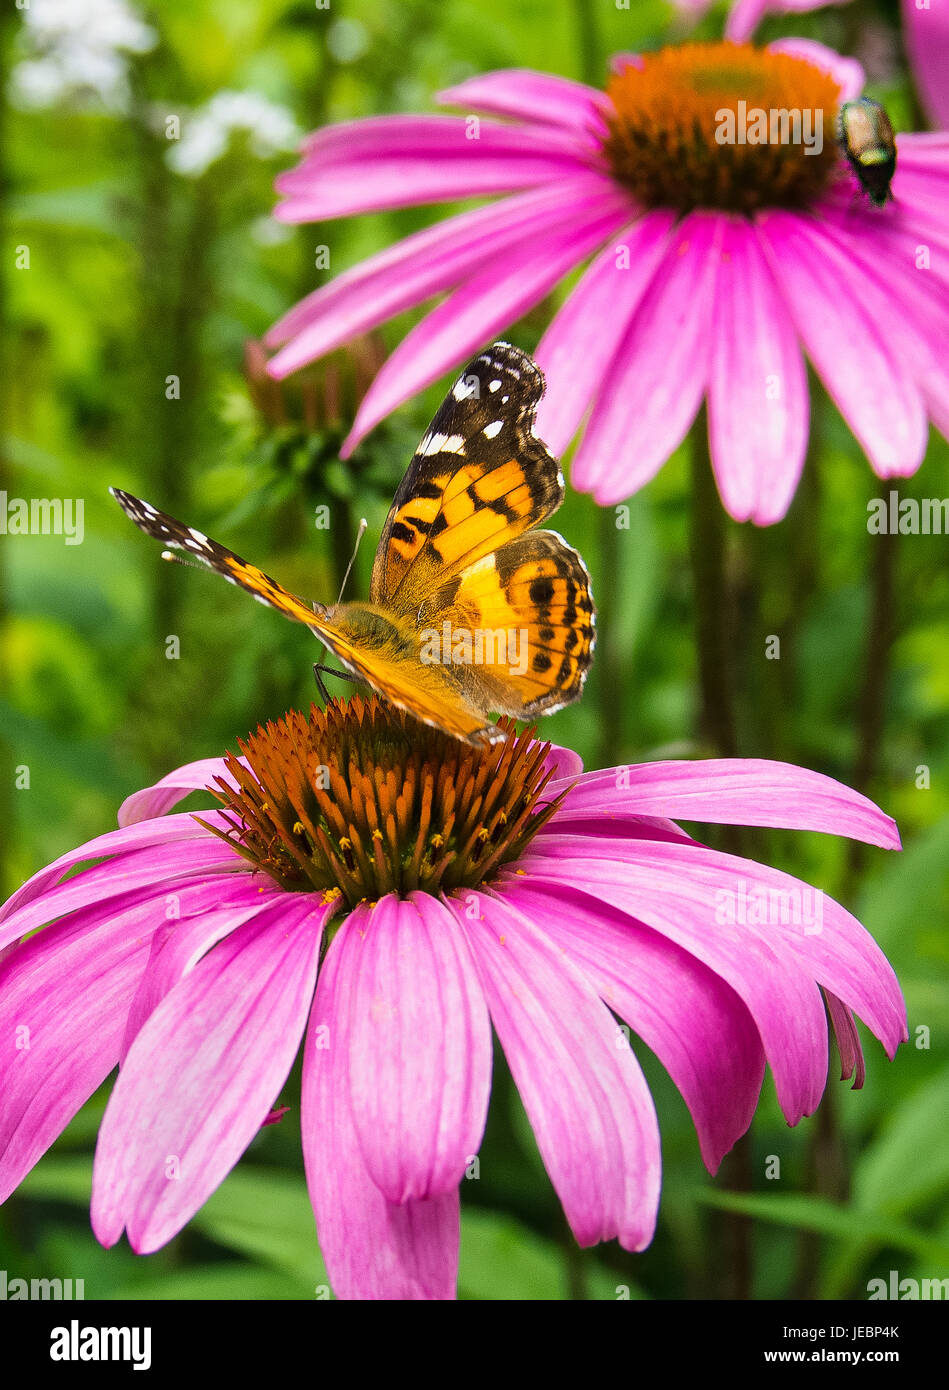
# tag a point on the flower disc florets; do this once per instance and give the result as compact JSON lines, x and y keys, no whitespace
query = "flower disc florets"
{"x":360,"y":800}
{"x":686,"y":126}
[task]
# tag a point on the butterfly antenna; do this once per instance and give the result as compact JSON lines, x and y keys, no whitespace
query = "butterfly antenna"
{"x":363,"y":523}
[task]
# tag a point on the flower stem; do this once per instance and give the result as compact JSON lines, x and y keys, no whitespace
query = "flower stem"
{"x":588,"y":40}
{"x":871,"y":707}
{"x":612,"y":670}
{"x":714,"y":636}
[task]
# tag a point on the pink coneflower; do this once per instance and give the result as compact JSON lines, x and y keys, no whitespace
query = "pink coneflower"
{"x":713,"y":264}
{"x":388,"y":894}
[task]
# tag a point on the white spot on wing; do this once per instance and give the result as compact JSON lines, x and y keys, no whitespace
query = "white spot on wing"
{"x":495,"y":385}
{"x":441,"y":444}
{"x":494,"y":429}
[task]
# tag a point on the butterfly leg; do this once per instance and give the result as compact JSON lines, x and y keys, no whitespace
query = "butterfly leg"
{"x":319,"y":671}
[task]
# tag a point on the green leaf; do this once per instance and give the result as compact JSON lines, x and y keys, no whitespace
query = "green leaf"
{"x":808,"y":1213}
{"x":225,"y":1282}
{"x":266,"y":1215}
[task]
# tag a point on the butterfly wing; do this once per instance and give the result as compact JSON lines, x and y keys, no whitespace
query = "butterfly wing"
{"x":479,"y":478}
{"x":175,"y":535}
{"x":530,"y":606}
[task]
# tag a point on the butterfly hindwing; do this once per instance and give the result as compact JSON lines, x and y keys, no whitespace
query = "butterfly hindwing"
{"x":479,"y":478}
{"x":531,"y":608}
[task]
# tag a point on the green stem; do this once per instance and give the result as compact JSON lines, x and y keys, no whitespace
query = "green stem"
{"x":714,"y":634}
{"x":588,"y":41}
{"x":612,"y":671}
{"x":871,"y":708}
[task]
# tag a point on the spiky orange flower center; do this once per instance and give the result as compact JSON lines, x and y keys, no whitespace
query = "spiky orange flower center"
{"x":685,"y":129}
{"x":360,"y":800}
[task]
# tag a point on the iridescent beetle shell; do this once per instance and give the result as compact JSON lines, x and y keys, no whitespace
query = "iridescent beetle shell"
{"x":867,"y":140}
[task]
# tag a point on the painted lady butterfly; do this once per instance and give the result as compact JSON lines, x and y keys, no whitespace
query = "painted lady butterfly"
{"x":458,"y":555}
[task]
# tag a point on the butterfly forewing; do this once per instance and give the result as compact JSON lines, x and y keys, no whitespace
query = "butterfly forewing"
{"x":175,"y":535}
{"x":479,"y":477}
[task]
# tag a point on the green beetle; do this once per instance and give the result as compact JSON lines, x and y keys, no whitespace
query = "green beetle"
{"x":866,"y":137}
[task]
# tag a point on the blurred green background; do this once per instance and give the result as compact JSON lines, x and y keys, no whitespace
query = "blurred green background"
{"x":150,"y":258}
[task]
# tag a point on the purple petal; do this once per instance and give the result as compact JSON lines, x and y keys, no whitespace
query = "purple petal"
{"x":800,"y":924}
{"x":757,"y":400}
{"x":926,"y":35}
{"x":401,"y":161}
{"x":156,"y":800}
{"x":652,"y":391}
{"x":373,"y":1249}
{"x":672,"y":889}
{"x":696,"y":1025}
{"x":870,"y":383}
{"x":424,"y":264}
{"x":64,"y":996}
{"x":581,"y":342}
{"x":564,"y":763}
{"x":848,"y":1041}
{"x":744,"y":18}
{"x":522,"y":94}
{"x":613,"y":827}
{"x":413,"y":1023}
{"x":186,"y":929}
{"x":586,"y":1098}
{"x":152,"y":834}
{"x":149,"y":869}
{"x":919,"y":328}
{"x":735,"y":791}
{"x":846,"y":72}
{"x":203,"y":1074}
{"x":483,"y":306}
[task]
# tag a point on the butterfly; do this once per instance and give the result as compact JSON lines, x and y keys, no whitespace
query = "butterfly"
{"x":470,"y":608}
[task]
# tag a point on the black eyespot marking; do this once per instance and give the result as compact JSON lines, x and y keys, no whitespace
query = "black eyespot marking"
{"x":541,"y":590}
{"x":542,"y":661}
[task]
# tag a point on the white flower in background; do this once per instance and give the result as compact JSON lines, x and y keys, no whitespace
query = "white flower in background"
{"x":77,"y":50}
{"x":206,"y":133}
